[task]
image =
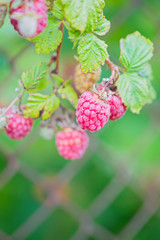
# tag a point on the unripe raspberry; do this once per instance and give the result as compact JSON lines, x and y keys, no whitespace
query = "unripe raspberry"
{"x":118,"y":108}
{"x":28,"y":17}
{"x":72,"y":143}
{"x":92,"y":113}
{"x":85,"y":81}
{"x":18,"y":126}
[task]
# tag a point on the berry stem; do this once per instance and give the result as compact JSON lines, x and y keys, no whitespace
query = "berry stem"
{"x":12,"y":103}
{"x":114,"y":71}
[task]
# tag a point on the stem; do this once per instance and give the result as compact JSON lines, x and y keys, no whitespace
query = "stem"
{"x":59,"y":49}
{"x":12,"y":103}
{"x":114,"y":73}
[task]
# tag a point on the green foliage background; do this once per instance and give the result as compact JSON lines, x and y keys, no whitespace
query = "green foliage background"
{"x":130,"y":145}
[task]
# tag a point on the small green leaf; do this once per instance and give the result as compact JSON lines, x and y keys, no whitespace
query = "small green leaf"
{"x":49,"y":40}
{"x":133,"y":90}
{"x":103,"y":26}
{"x":58,"y":80}
{"x":41,"y":105}
{"x":33,"y":76}
{"x":66,"y":91}
{"x":92,"y":52}
{"x":136,"y":51}
{"x":3,"y":12}
{"x":83,"y":14}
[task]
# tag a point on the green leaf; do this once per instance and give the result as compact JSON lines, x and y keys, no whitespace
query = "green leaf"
{"x":58,"y":80}
{"x":136,"y":51}
{"x":41,"y":105}
{"x":66,"y":91}
{"x":58,"y":10}
{"x":147,"y":73}
{"x":49,"y":40}
{"x":92,"y":52}
{"x":3,"y":12}
{"x":103,"y":26}
{"x":72,"y":32}
{"x":33,"y":76}
{"x":83,"y":14}
{"x":133,"y":90}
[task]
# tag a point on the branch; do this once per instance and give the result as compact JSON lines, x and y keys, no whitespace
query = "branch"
{"x":59,"y":49}
{"x":12,"y":103}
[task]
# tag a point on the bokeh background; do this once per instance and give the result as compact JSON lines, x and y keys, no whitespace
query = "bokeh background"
{"x":110,"y":194}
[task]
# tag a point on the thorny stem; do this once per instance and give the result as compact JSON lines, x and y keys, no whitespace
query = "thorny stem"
{"x":19,"y":97}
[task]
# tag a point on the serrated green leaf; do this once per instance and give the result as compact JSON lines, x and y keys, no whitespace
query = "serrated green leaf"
{"x":66,"y":91}
{"x":58,"y":10}
{"x":58,"y":80}
{"x":136,"y":51}
{"x":133,"y":90}
{"x":3,"y":12}
{"x":92,"y":52}
{"x":74,"y":34}
{"x":103,"y":26}
{"x":33,"y":76}
{"x":41,"y":105}
{"x":83,"y":14}
{"x":49,"y":40}
{"x":147,"y":73}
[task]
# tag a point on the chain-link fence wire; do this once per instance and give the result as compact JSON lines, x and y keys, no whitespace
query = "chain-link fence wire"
{"x":122,"y":204}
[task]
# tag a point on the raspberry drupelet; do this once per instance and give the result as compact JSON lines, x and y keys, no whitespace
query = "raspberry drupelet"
{"x":18,"y":126}
{"x":29,"y":18}
{"x":72,"y":143}
{"x":92,"y":113}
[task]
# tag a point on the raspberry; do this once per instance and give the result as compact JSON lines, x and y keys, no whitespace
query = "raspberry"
{"x":18,"y":126}
{"x":29,"y":17}
{"x":72,"y":143}
{"x":85,"y":81}
{"x":118,"y":108}
{"x":92,"y":113}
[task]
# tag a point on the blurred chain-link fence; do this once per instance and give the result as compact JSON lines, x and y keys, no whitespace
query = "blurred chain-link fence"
{"x":110,"y":194}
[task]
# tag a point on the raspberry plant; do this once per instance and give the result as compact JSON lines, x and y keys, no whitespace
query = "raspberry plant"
{"x":128,"y":87}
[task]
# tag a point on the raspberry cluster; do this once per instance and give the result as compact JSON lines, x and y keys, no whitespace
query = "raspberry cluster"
{"x":72,"y":143}
{"x":93,"y":113}
{"x":29,"y":18}
{"x":18,"y":126}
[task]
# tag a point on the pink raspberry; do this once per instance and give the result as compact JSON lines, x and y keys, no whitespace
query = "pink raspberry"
{"x":29,"y":17}
{"x":118,"y":108}
{"x":92,"y":113}
{"x":18,"y":126}
{"x":72,"y":143}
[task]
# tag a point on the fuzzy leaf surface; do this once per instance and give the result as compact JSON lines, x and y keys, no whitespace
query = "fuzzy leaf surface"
{"x":103,"y":26}
{"x":133,"y":90}
{"x":147,"y":73}
{"x":41,"y":105}
{"x":83,"y":14}
{"x":136,"y":51}
{"x":33,"y":76}
{"x":49,"y":40}
{"x":92,"y":52}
